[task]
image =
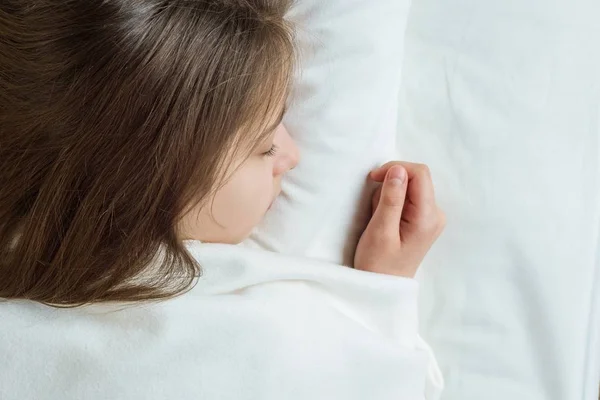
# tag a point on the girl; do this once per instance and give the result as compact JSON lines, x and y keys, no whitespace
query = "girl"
{"x":133,"y":135}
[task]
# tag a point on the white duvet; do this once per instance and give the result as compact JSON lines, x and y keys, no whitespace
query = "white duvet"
{"x":258,"y":325}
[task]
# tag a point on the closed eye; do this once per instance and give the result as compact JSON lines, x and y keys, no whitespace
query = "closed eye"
{"x":271,"y":152}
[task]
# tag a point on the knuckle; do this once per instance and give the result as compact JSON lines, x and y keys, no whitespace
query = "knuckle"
{"x":431,"y":227}
{"x":424,"y":170}
{"x":428,"y":225}
{"x":440,"y":223}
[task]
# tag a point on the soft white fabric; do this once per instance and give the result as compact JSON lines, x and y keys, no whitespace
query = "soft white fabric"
{"x":261,"y":325}
{"x":342,"y":116}
{"x":501,"y":99}
{"x":258,"y":325}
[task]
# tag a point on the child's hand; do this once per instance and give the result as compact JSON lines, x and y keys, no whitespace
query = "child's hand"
{"x":405,"y":223}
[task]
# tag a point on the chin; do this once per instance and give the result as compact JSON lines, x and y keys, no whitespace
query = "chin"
{"x":239,"y":239}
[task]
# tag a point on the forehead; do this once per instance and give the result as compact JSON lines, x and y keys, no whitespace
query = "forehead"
{"x":263,"y":130}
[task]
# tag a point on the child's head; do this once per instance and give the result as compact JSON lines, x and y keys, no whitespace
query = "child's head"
{"x":127,"y":127}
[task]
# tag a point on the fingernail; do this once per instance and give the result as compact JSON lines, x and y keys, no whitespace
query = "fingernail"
{"x":397,"y":175}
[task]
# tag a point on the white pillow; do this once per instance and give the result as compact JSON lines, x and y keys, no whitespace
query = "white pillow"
{"x":343,"y":118}
{"x":502,"y":100}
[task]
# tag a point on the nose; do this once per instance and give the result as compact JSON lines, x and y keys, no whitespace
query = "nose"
{"x":294,"y":154}
{"x":290,"y":154}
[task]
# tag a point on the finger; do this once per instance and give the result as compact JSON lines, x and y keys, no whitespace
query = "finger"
{"x":420,"y":187}
{"x":375,"y":199}
{"x":377,"y":174}
{"x":388,"y":213}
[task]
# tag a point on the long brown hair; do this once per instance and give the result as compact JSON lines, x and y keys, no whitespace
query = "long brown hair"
{"x":115,"y":117}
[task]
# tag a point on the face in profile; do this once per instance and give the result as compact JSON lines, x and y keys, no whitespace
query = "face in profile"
{"x":242,"y":202}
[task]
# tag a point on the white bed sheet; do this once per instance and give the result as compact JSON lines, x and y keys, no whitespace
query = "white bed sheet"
{"x":502,"y":99}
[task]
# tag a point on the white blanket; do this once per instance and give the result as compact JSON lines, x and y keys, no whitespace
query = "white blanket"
{"x":258,"y":325}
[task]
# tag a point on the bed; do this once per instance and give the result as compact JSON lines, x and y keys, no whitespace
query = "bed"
{"x":502,"y":101}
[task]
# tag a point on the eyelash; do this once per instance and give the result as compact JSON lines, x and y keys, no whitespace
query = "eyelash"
{"x":271,"y":151}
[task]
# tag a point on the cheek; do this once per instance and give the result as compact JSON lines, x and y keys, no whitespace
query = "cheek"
{"x":243,"y":201}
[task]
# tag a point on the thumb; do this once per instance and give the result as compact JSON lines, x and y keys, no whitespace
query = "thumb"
{"x":388,"y":214}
